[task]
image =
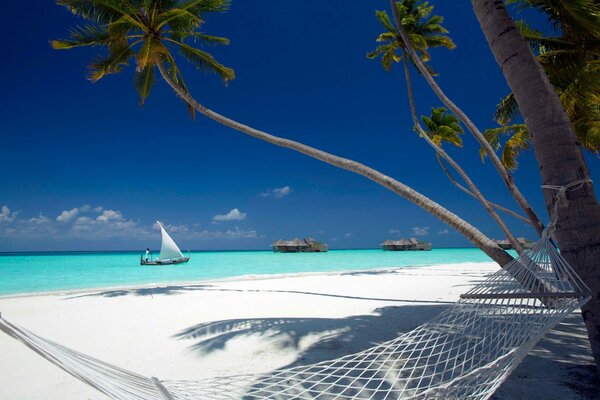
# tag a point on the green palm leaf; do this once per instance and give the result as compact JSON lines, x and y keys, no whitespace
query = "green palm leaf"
{"x":143,"y":82}
{"x":88,"y":35}
{"x":443,"y":127}
{"x":571,"y":62}
{"x":204,"y":61}
{"x":517,"y":142}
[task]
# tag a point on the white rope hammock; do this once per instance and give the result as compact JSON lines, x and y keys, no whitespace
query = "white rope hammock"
{"x":466,"y":352}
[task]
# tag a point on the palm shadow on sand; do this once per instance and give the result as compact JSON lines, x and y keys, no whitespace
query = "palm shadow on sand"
{"x":572,"y":376}
{"x":337,"y":336}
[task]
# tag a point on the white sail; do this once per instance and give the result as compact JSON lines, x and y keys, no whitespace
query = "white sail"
{"x":168,"y":248}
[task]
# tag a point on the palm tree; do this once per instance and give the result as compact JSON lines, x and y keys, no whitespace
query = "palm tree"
{"x":557,"y":151}
{"x":425,"y":31}
{"x":571,"y":62}
{"x":147,"y":31}
{"x":424,"y":70}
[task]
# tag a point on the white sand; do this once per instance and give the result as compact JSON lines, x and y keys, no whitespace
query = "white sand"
{"x":248,"y":326}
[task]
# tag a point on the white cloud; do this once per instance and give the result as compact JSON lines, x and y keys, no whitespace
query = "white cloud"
{"x":348,"y":234}
{"x":68,"y":215}
{"x":41,"y":219}
{"x":6,"y":215}
{"x":85,"y":208}
{"x":395,"y":231}
{"x":420,"y":231}
{"x":111,"y":224}
{"x":443,"y":232}
{"x":98,"y":209}
{"x":83,"y":220}
{"x":110,"y":215}
{"x":277,"y":193}
{"x":233,"y":215}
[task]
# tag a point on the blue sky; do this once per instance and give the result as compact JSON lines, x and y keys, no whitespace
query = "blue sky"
{"x":85,"y":168}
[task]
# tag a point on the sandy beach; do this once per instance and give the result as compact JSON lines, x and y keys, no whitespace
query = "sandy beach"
{"x":206,"y":329}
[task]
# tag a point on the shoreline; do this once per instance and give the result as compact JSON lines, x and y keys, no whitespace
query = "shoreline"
{"x":239,"y":278}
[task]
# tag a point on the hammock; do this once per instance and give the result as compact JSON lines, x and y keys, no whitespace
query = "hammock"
{"x":466,"y":352}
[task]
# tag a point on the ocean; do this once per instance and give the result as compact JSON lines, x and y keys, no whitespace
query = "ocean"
{"x":26,"y":273}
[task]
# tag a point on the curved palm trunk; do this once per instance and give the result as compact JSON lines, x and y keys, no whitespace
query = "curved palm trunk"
{"x":506,"y":177}
{"x":467,"y":230}
{"x":557,"y":152}
{"x":467,"y":191}
{"x":442,"y":153}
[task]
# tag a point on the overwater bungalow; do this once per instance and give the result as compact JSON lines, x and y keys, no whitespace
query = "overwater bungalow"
{"x":306,"y":245}
{"x":411,"y":244}
{"x":526,"y":244}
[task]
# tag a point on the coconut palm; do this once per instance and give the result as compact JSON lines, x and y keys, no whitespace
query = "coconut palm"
{"x":417,"y":61}
{"x":557,"y":152}
{"x":571,"y":61}
{"x":146,"y":32}
{"x":424,"y":31}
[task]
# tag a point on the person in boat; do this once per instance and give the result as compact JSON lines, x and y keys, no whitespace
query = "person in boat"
{"x":147,"y":254}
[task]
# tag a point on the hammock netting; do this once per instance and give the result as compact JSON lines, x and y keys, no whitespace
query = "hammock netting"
{"x":466,"y":352}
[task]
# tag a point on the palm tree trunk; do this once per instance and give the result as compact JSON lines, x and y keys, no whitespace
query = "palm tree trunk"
{"x":557,"y":152}
{"x":442,"y":153}
{"x":467,"y":191}
{"x":467,"y":230}
{"x":506,"y":177}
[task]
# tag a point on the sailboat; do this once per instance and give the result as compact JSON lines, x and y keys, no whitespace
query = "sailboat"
{"x":169,"y":252}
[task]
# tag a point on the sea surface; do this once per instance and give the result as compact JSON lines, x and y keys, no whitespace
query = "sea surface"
{"x":22,"y":273}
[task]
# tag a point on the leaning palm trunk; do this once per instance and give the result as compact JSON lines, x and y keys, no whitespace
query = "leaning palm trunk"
{"x":442,"y":153}
{"x":467,"y":230}
{"x":557,"y":152}
{"x":504,"y":174}
{"x":467,"y":191}
{"x":488,"y":246}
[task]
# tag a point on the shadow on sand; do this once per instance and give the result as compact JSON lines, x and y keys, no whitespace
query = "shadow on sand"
{"x":178,"y":289}
{"x":561,"y":360}
{"x":338,"y":336}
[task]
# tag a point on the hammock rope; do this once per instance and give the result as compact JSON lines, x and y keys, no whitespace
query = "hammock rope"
{"x":465,"y":352}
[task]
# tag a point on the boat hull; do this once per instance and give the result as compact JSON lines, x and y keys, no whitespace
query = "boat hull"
{"x":166,"y":262}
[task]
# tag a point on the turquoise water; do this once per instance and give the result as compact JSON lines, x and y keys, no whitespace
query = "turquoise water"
{"x":34,"y":273}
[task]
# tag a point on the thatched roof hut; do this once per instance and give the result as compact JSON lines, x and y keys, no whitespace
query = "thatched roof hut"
{"x":297,"y":245}
{"x":405,"y":244}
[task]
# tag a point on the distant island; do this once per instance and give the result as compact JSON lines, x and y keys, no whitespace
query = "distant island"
{"x":306,"y":245}
{"x":411,"y":244}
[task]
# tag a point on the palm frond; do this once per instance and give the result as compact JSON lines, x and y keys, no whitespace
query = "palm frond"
{"x":443,"y":127}
{"x":569,"y":16}
{"x":87,"y":35}
{"x":143,"y":82}
{"x":99,"y":11}
{"x":117,"y":59}
{"x":517,"y":142}
{"x":204,"y":61}
{"x":506,"y":110}
{"x":150,"y":53}
{"x":198,"y":7}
